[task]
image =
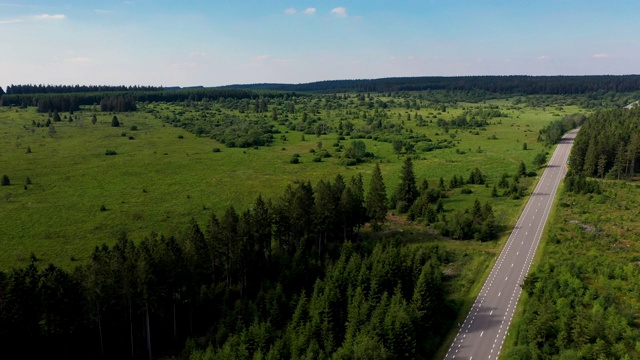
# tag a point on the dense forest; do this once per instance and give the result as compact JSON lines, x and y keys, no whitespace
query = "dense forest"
{"x":65,"y":89}
{"x":72,"y":101}
{"x":516,"y":84}
{"x":608,"y":144}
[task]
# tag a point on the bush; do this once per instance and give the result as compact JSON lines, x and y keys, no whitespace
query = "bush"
{"x":110,"y":152}
{"x":466,"y":191}
{"x":103,"y":208}
{"x":133,"y":128}
{"x":180,"y":137}
{"x":5,"y":181}
{"x":216,"y":149}
{"x":317,"y":159}
{"x":294,"y":160}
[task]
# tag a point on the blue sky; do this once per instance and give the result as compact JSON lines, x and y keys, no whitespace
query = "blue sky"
{"x":198,"y":42}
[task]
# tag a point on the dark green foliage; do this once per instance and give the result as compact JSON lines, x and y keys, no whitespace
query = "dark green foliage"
{"x":118,"y":103}
{"x":294,"y":160}
{"x":608,"y":144}
{"x":110,"y":152}
{"x":407,"y":191}
{"x":216,"y":149}
{"x":115,"y":122}
{"x":476,"y":223}
{"x":522,"y":170}
{"x":357,"y":151}
{"x":133,"y":128}
{"x":376,"y":201}
{"x":540,"y":159}
{"x":28,"y":149}
{"x":5,"y":181}
{"x":553,"y":133}
{"x":103,"y":208}
{"x":27,"y":181}
{"x":476,"y":177}
{"x":56,"y":116}
{"x":579,"y":184}
{"x":236,"y":132}
{"x":94,"y":119}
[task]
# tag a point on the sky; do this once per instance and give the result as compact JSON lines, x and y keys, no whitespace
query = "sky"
{"x":222,"y":42}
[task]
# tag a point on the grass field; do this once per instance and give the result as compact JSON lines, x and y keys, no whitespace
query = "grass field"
{"x":162,"y":176}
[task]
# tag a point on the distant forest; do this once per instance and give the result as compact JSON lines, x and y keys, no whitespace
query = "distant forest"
{"x":32,"y":95}
{"x":66,"y":89}
{"x":517,"y":84}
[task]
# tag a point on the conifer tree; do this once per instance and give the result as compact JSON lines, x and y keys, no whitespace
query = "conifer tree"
{"x":376,"y":202}
{"x":407,"y":191}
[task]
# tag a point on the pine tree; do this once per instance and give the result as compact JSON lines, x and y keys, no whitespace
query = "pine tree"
{"x":5,"y":181}
{"x":115,"y":122}
{"x":407,"y":191}
{"x":376,"y":202}
{"x":522,"y":170}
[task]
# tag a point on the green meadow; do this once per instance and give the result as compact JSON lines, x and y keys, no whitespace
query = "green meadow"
{"x":161,"y":175}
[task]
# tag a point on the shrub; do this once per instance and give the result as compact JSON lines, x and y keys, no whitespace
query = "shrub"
{"x":216,"y":149}
{"x":123,"y":134}
{"x":110,"y":152}
{"x":5,"y":181}
{"x":294,"y":160}
{"x":466,"y":191}
{"x":133,"y":128}
{"x":115,"y":122}
{"x":180,"y":137}
{"x":317,"y":159}
{"x":103,"y":208}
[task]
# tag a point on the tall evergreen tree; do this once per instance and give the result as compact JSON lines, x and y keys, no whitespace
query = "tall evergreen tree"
{"x":376,"y":202}
{"x":407,"y":191}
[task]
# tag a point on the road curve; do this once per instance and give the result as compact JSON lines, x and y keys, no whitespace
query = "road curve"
{"x":483,"y":331}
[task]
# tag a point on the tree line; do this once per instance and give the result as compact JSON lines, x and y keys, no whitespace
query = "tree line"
{"x":513,"y":84}
{"x":608,"y":144}
{"x":65,"y":102}
{"x":65,"y":89}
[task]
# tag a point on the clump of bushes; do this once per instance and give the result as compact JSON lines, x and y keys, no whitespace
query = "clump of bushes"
{"x":110,"y":152}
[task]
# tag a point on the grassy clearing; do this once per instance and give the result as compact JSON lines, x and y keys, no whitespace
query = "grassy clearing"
{"x":162,"y":175}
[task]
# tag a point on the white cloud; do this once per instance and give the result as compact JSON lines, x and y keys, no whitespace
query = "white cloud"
{"x":12,"y":21}
{"x":309,"y":11}
{"x":601,"y":56}
{"x":79,"y":60}
{"x":339,"y":11}
{"x":290,"y":11}
{"x":50,"y":17}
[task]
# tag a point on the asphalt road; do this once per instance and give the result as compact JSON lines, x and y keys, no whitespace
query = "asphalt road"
{"x":482,"y":334}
